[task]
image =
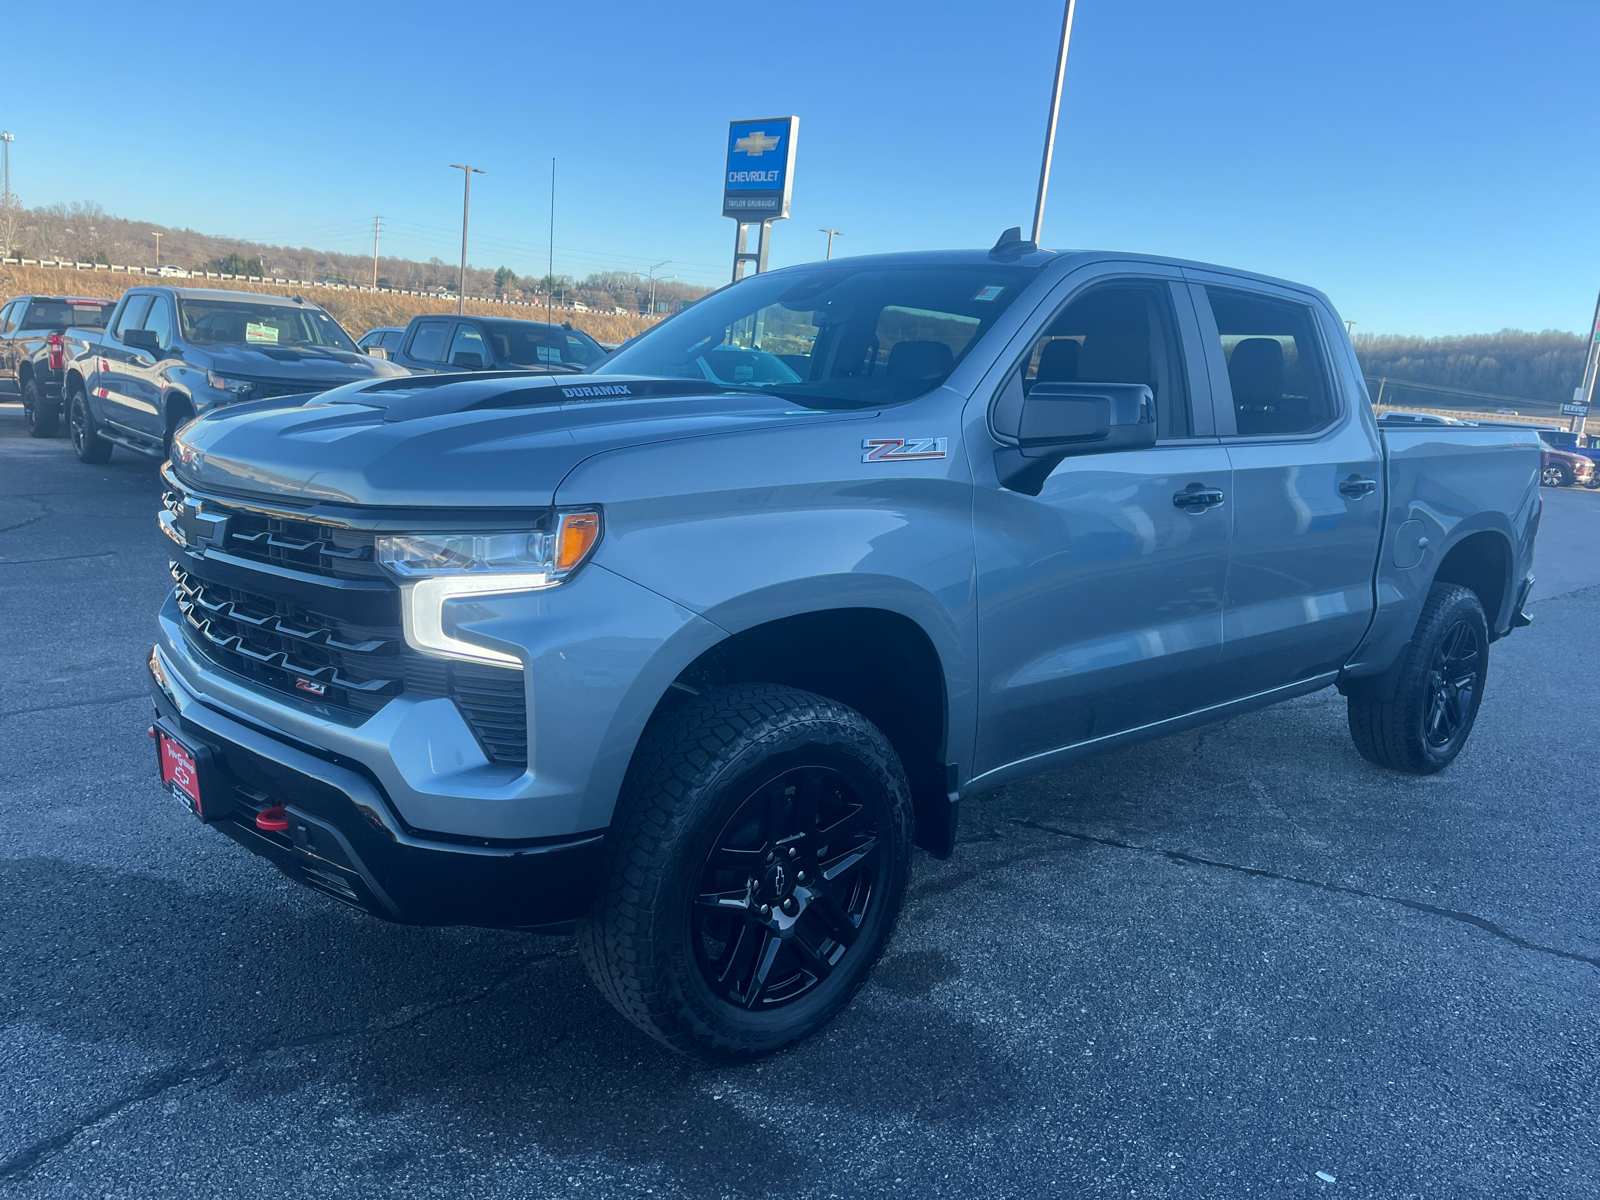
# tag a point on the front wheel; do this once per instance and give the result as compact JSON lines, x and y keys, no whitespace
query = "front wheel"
{"x":1555,"y":475}
{"x":87,"y":443}
{"x":42,"y":414}
{"x":1442,"y":671}
{"x":757,"y":862}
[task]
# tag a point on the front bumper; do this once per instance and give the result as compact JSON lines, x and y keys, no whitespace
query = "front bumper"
{"x":346,"y":840}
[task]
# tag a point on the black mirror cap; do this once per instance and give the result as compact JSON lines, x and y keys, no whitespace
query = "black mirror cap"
{"x":1062,"y":420}
{"x":467,"y":360}
{"x":142,"y":339}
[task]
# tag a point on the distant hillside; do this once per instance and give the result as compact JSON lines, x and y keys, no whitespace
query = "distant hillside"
{"x":1533,"y":366}
{"x":87,"y":233}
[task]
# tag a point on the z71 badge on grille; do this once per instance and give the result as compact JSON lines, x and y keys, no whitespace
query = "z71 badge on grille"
{"x":900,"y":449}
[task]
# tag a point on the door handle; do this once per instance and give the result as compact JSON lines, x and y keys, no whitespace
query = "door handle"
{"x":1357,"y":486}
{"x":1197,"y":497}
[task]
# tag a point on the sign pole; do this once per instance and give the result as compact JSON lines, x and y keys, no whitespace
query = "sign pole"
{"x":1585,"y":394}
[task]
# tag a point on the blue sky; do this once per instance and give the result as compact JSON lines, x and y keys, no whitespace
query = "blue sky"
{"x":1431,"y":166}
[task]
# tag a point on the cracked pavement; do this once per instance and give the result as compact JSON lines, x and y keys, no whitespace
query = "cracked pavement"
{"x":1213,"y":965}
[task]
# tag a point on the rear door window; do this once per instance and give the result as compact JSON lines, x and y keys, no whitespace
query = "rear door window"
{"x":428,"y":341}
{"x":1276,"y":370}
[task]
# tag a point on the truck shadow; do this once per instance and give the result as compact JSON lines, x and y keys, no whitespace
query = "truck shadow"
{"x":499,"y":1033}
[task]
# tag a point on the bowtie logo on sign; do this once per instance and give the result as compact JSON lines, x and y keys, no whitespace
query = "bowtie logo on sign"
{"x":756,"y":144}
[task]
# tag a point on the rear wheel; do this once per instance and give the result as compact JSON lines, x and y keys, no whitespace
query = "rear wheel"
{"x":1555,"y":475}
{"x":87,"y":443}
{"x":42,"y":414}
{"x":757,"y":863}
{"x":1442,"y":672}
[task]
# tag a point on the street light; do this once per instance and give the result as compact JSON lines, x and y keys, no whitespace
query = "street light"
{"x":832,"y":233}
{"x":5,"y":147}
{"x":651,"y":275}
{"x":466,"y":201}
{"x":158,"y":247}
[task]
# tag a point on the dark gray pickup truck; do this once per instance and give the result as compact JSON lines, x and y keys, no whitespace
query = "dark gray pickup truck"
{"x":692,"y":647}
{"x":38,"y":335}
{"x":169,"y":354}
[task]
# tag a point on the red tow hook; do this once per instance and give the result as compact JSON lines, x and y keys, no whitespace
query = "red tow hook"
{"x":273,"y":820}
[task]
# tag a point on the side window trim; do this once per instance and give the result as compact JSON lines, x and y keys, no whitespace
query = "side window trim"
{"x":1216,"y":365}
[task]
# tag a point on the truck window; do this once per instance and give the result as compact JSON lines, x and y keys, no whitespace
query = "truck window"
{"x":428,"y":340}
{"x":531,"y":344}
{"x":159,"y":321}
{"x":7,"y":325}
{"x":265,"y":325}
{"x":838,"y":336}
{"x":1275,"y":368}
{"x":1118,"y":333}
{"x":64,"y":314}
{"x":469,"y":341}
{"x":132,"y":315}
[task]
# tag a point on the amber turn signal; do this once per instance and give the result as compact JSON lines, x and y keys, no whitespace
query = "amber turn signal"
{"x":575,"y":537}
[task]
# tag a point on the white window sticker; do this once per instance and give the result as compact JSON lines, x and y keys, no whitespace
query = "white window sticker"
{"x":260,"y":334}
{"x":992,"y":292}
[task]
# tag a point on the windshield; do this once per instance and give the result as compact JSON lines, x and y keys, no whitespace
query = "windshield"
{"x":532,"y":344}
{"x":832,"y":337}
{"x":235,"y":323}
{"x":62,"y":314}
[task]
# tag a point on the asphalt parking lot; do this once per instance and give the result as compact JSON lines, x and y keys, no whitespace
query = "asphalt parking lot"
{"x":1236,"y":962}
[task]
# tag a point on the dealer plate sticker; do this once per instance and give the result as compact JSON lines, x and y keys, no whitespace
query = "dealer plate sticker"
{"x":179,"y":773}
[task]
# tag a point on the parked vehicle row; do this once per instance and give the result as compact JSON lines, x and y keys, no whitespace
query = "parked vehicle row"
{"x":39,"y":335}
{"x":430,"y":344}
{"x":691,"y":649}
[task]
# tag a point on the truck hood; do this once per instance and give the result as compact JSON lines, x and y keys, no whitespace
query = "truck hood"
{"x":320,"y":367}
{"x":495,"y":441}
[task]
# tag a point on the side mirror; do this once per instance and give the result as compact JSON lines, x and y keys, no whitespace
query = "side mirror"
{"x":376,"y":352}
{"x":1055,"y":421}
{"x":468,"y":360}
{"x":143,"y":339}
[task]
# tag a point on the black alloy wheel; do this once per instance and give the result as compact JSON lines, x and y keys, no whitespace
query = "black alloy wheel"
{"x":42,"y":415}
{"x":1417,"y":716}
{"x":87,"y":443}
{"x":786,"y":887}
{"x":1454,"y":681}
{"x":1555,"y":475}
{"x":756,"y":864}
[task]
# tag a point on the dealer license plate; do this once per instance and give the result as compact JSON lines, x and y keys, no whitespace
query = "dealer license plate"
{"x":179,"y":772}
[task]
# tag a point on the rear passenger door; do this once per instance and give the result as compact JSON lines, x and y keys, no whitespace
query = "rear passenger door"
{"x":1307,"y":482}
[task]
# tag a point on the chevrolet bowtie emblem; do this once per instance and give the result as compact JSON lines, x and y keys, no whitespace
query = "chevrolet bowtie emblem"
{"x":755,"y":144}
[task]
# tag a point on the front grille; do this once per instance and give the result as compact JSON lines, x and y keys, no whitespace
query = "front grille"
{"x":263,"y":389}
{"x":270,"y":629}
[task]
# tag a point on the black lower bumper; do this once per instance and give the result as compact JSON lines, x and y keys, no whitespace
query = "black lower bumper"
{"x":343,"y":839}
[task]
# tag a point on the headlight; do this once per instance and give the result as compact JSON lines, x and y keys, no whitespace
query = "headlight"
{"x":435,"y":568}
{"x":239,"y":387}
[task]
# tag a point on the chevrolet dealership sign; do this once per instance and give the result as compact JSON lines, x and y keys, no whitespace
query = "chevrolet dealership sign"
{"x":760,"y":172}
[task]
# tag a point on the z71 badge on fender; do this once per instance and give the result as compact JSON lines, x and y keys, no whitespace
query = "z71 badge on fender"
{"x":900,"y":449}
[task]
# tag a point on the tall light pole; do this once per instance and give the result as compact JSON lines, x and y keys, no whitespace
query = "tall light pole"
{"x":1050,"y":125}
{"x":467,"y":172}
{"x":377,"y":223}
{"x":5,"y":148}
{"x":158,"y":247}
{"x":651,"y":275}
{"x":832,"y":233}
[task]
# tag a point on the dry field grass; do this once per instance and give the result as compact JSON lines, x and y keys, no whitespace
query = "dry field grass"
{"x":356,"y":311}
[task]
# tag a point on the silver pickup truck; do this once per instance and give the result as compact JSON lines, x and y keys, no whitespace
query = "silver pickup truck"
{"x":690,"y":650}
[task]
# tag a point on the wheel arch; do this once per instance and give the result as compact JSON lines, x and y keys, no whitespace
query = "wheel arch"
{"x":1483,"y":563}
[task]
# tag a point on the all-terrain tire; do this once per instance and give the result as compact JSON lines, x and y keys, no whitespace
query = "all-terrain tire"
{"x":43,"y":415}
{"x":1438,"y":689}
{"x":699,"y":770}
{"x":87,"y":443}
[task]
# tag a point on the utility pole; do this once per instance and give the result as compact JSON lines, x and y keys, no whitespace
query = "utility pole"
{"x":832,"y":233}
{"x":158,"y":247}
{"x":377,"y":223}
{"x":1350,"y":328}
{"x":1050,"y":125}
{"x":467,"y":173}
{"x":550,"y":271}
{"x":5,"y":148}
